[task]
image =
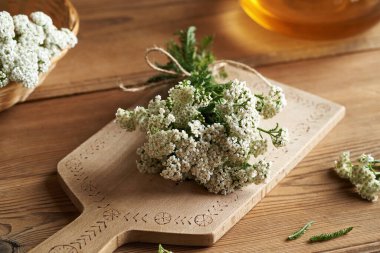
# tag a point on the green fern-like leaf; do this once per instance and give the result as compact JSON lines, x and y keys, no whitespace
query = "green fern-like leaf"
{"x":301,"y":231}
{"x":162,"y":250}
{"x":192,"y":56}
{"x":330,"y":236}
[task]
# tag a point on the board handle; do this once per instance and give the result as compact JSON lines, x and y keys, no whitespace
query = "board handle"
{"x":91,"y":232}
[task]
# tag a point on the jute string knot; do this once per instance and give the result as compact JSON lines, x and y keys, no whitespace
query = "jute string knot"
{"x":214,"y":67}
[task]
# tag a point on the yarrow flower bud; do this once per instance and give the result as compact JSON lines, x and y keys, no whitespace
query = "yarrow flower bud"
{"x":366,"y":159}
{"x":369,"y":190}
{"x":343,"y":167}
{"x":361,"y":174}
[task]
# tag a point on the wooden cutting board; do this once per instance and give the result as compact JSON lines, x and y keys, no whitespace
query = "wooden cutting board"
{"x":120,"y":205}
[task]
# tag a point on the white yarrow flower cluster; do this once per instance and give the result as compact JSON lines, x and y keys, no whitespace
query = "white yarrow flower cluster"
{"x":363,"y":175}
{"x":271,"y":104}
{"x":343,"y":167}
{"x":203,"y":132}
{"x":27,"y":46}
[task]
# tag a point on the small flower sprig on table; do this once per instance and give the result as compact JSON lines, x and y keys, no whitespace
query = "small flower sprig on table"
{"x":364,"y":175}
{"x":205,"y":131}
{"x":27,"y":47}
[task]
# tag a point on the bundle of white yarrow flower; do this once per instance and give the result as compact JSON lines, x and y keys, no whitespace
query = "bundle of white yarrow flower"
{"x":364,"y":175}
{"x":28,"y":45}
{"x":207,"y":132}
{"x":204,"y":130}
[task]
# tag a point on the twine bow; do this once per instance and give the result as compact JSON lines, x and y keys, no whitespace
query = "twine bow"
{"x":214,"y":67}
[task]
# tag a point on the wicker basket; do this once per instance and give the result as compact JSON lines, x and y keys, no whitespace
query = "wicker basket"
{"x":63,"y":14}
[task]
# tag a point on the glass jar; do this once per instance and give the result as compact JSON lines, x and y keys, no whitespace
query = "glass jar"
{"x":314,"y":19}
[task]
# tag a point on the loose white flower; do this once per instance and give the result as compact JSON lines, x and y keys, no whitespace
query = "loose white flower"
{"x":27,"y":46}
{"x":363,"y":175}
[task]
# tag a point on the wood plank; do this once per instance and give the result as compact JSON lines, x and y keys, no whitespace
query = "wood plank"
{"x":113,"y":38}
{"x":33,"y":207}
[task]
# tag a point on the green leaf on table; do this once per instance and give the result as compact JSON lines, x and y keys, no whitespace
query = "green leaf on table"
{"x":162,"y":250}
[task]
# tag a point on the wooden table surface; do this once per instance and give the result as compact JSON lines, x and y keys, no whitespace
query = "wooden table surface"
{"x":81,"y":96}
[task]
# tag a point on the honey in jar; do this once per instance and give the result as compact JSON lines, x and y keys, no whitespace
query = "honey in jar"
{"x":314,"y":19}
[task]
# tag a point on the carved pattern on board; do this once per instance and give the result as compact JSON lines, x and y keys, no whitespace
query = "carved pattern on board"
{"x":89,"y":234}
{"x":136,"y":217}
{"x":203,"y":220}
{"x":111,"y":214}
{"x":94,"y":147}
{"x":319,"y":112}
{"x":74,"y":165}
{"x":295,"y":97}
{"x":183,"y":220}
{"x":63,"y":249}
{"x":92,"y":191}
{"x":162,"y":218}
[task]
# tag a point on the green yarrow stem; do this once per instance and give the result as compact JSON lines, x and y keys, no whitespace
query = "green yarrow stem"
{"x":374,"y":170}
{"x":330,"y":236}
{"x":278,"y":135}
{"x":162,"y":250}
{"x":300,"y":232}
